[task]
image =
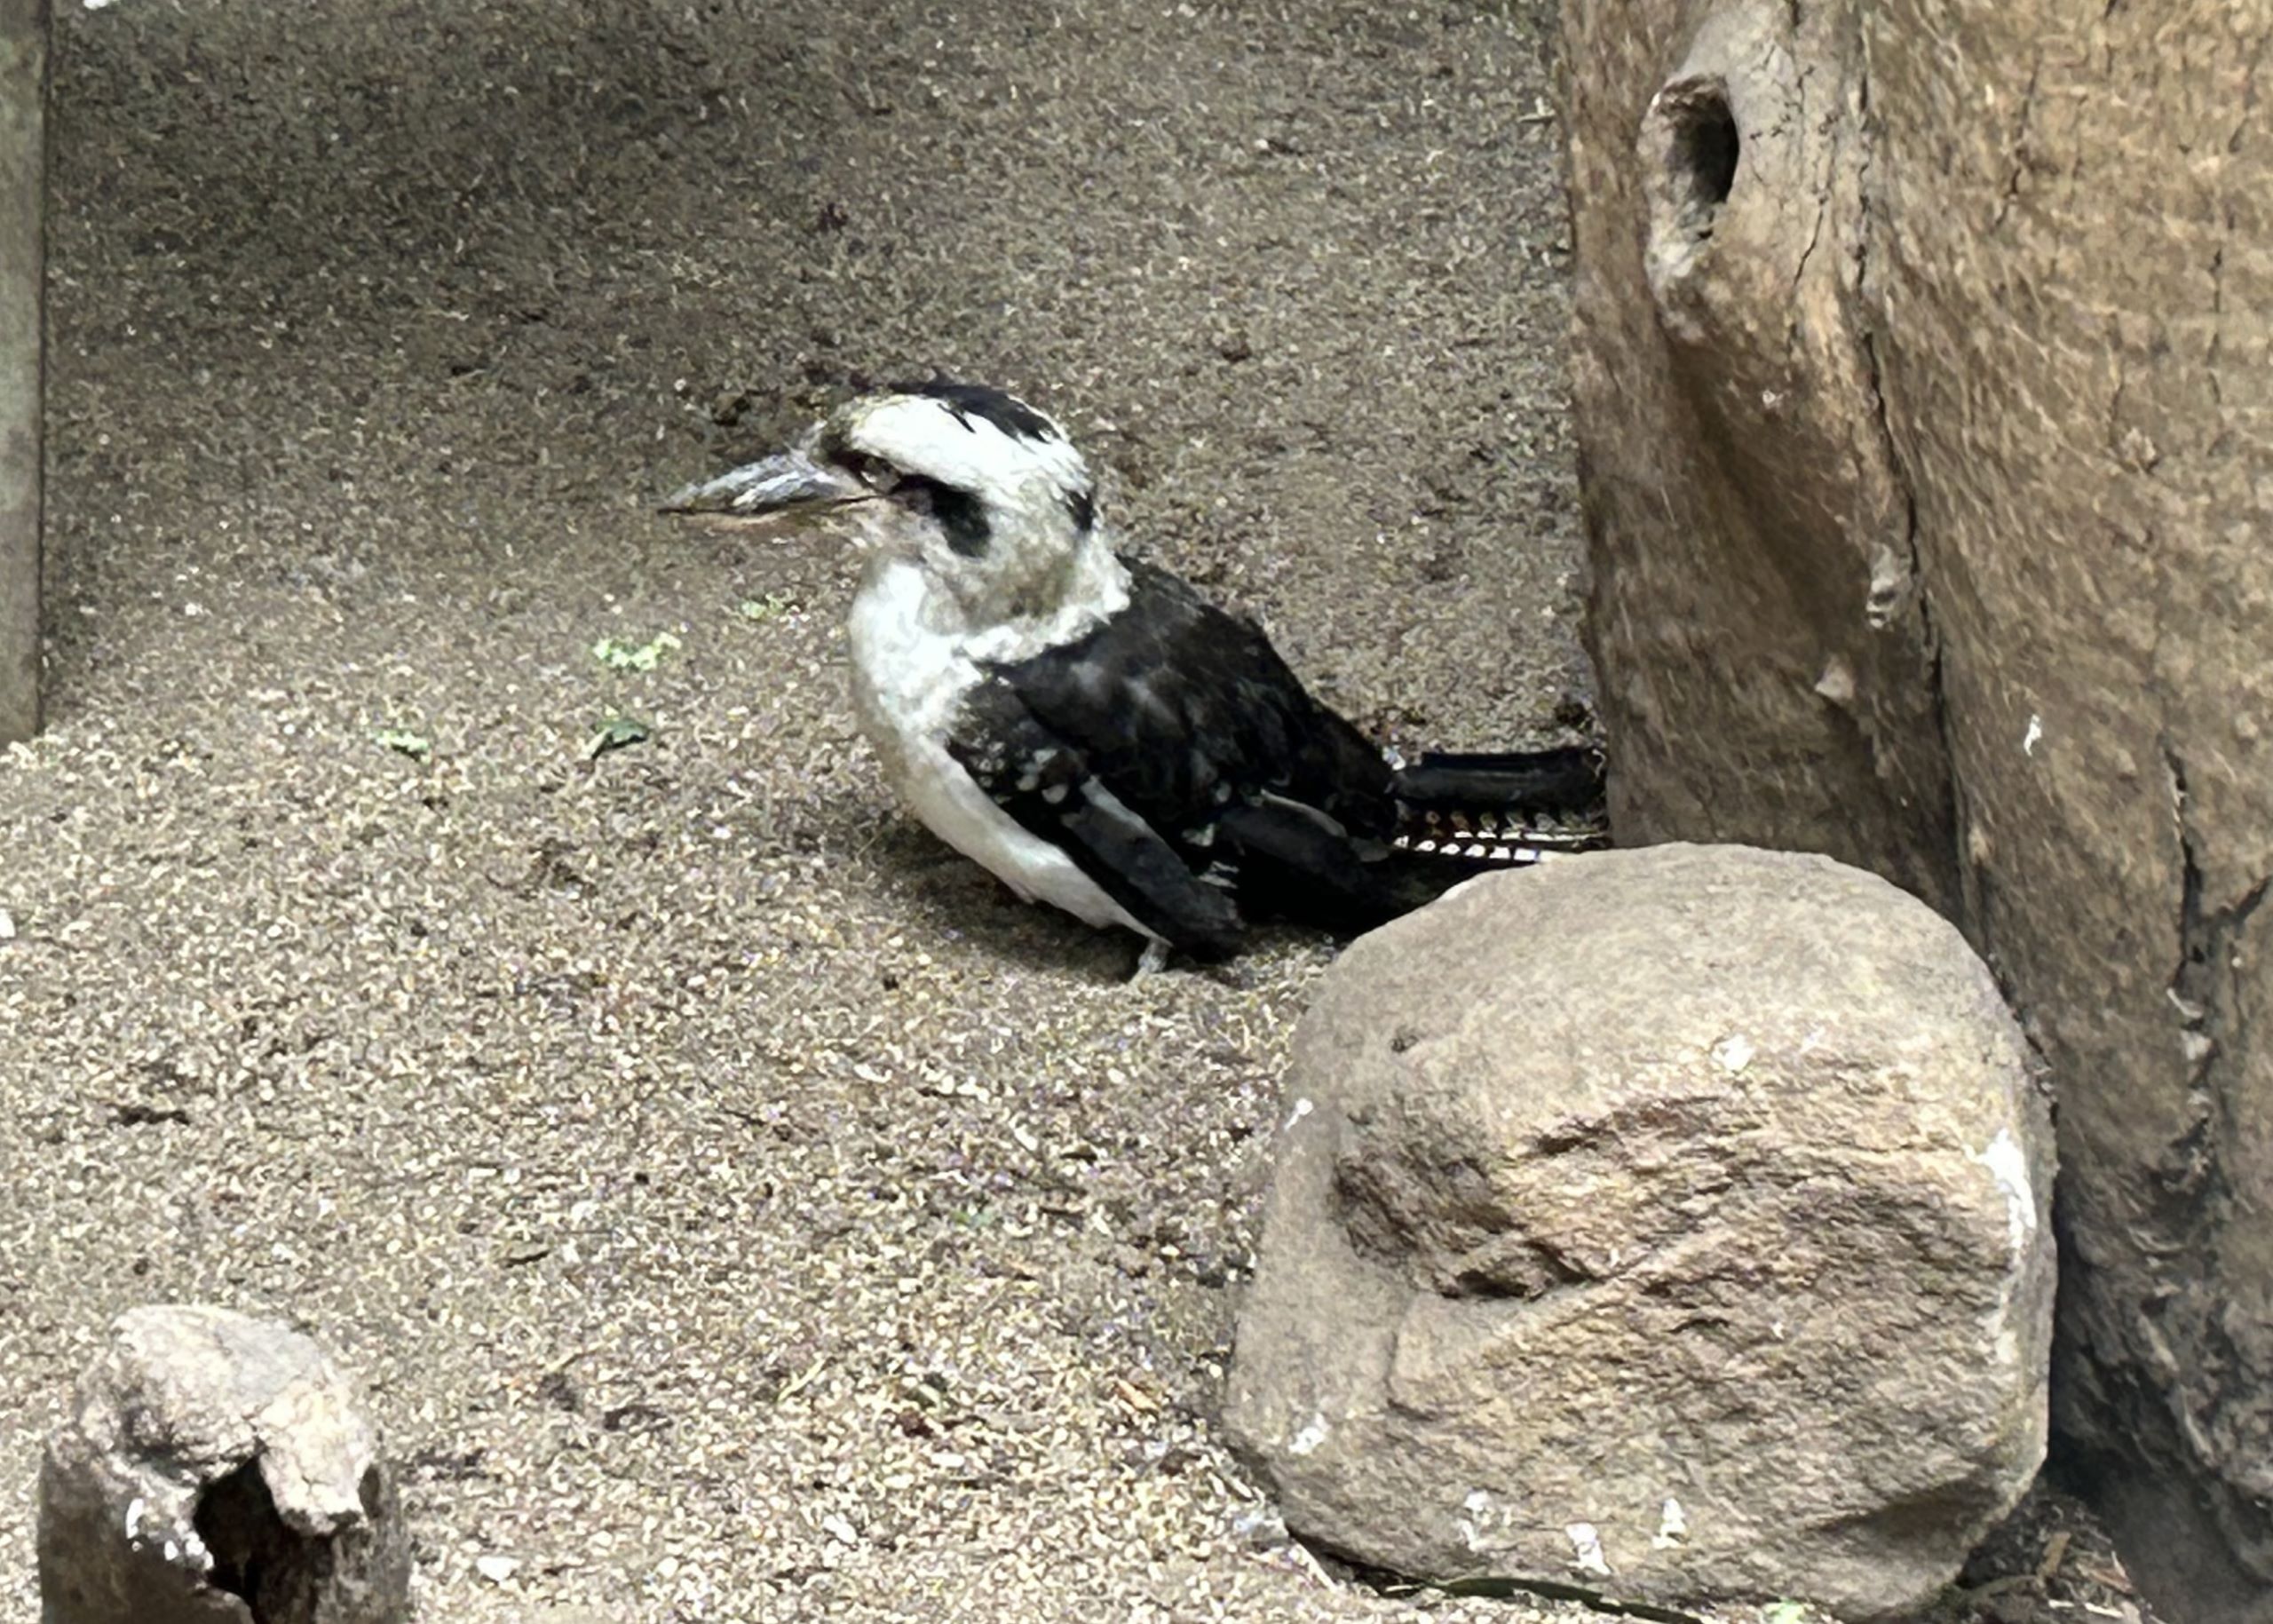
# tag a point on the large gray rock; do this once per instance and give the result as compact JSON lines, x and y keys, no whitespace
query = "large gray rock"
{"x":1671,"y":1223}
{"x":217,"y":1468}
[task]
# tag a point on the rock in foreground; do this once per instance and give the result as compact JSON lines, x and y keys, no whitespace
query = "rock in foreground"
{"x":1672,"y":1223}
{"x":215,"y":1468}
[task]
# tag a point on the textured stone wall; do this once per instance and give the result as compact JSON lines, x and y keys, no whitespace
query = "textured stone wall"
{"x":1927,"y":475}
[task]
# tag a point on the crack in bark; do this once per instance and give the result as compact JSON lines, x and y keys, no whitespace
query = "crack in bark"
{"x":1822,"y":208}
{"x":1826,"y":182}
{"x":2197,"y":1192}
{"x":1906,"y":484}
{"x":2019,"y":145}
{"x":2215,"y":351}
{"x":2208,"y":1419}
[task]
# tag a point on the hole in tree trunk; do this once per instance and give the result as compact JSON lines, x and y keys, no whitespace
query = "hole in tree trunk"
{"x":1705,"y":147}
{"x":1689,"y":151}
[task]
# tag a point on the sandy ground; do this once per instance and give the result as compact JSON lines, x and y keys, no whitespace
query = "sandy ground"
{"x":738,"y":1207}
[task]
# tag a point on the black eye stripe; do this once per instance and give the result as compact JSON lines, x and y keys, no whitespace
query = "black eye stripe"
{"x":960,"y":513}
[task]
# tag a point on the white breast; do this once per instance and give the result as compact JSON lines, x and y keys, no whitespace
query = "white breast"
{"x":909,"y":677}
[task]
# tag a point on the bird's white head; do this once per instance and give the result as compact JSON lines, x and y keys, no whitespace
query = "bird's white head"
{"x":974,"y":486}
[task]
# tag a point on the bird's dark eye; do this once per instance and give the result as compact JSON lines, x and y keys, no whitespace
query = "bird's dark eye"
{"x":873,"y":472}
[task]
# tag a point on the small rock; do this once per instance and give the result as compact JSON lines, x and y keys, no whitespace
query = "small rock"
{"x":216,"y":1469}
{"x":496,"y":1569}
{"x":1670,"y":1223}
{"x":1576,"y":711}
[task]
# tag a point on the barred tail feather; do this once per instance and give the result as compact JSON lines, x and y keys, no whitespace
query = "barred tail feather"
{"x":1503,"y":807}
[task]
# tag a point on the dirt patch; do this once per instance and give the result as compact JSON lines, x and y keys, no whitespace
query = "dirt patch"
{"x":740,"y":1208}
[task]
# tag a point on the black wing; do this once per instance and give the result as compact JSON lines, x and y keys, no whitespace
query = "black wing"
{"x":1182,"y":708}
{"x":1047,"y":783}
{"x":1172,"y":737}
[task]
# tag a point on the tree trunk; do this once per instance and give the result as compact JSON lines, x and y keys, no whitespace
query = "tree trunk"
{"x":1928,"y":445}
{"x":23,"y":176}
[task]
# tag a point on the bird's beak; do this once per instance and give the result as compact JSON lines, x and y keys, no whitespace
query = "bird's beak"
{"x":791,"y":482}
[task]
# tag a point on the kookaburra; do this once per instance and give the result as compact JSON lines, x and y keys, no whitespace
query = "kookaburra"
{"x":1084,"y":723}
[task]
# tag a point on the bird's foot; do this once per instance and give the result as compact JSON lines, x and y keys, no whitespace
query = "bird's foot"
{"x":1151,"y":961}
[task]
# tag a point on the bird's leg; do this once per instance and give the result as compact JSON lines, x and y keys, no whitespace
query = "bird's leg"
{"x":1151,"y":961}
